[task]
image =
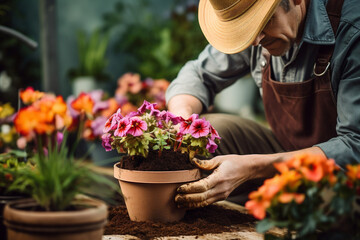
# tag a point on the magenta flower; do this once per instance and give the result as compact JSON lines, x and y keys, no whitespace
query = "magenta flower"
{"x":106,"y":141}
{"x":149,"y":106}
{"x":113,"y":121}
{"x":59,"y":138}
{"x":200,"y":128}
{"x":168,"y":116}
{"x":123,"y":127}
{"x":185,"y":124}
{"x":211,"y":146}
{"x":137,"y":126}
{"x":214,"y":133}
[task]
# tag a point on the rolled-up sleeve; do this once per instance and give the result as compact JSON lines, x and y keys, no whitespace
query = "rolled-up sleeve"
{"x":345,"y":148}
{"x":206,"y":76}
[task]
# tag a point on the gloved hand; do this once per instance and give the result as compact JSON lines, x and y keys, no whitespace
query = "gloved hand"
{"x":229,"y":172}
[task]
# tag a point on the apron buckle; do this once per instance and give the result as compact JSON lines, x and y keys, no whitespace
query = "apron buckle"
{"x":321,"y":74}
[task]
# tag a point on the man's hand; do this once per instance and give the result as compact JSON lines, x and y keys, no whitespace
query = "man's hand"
{"x":229,"y":172}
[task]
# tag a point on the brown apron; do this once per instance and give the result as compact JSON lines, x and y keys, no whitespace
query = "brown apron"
{"x":302,"y":114}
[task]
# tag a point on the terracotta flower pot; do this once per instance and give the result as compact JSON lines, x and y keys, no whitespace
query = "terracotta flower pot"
{"x":79,"y":224}
{"x":150,"y":195}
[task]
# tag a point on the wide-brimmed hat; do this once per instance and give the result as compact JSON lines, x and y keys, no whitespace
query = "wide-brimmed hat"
{"x":232,"y":25}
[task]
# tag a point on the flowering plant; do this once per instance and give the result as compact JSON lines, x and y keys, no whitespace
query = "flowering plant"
{"x":10,"y":163}
{"x":56,"y":177}
{"x":151,"y":129}
{"x":309,"y":194}
{"x":89,"y":112}
{"x":132,"y":91}
{"x":8,"y":134}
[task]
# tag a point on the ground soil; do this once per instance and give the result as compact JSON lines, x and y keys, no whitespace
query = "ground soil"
{"x":211,"y":219}
{"x":166,"y":161}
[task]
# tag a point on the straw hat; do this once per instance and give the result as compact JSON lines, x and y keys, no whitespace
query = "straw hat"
{"x":232,"y":25}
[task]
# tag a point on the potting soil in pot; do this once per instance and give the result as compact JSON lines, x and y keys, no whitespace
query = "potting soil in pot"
{"x":166,"y":161}
{"x":211,"y":219}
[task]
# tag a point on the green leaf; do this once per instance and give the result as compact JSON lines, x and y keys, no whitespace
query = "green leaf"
{"x":264,"y":225}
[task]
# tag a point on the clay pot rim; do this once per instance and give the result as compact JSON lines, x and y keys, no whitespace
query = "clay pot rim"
{"x":98,"y":209}
{"x":177,"y":176}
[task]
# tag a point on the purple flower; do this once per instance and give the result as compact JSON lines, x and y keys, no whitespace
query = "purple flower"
{"x":98,"y":125}
{"x":168,"y":116}
{"x":200,"y":128}
{"x":106,"y":141}
{"x":59,"y":138}
{"x":211,"y":146}
{"x":149,"y":106}
{"x":137,"y":126}
{"x":123,"y":127}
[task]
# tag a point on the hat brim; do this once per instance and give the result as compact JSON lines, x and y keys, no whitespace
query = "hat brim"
{"x":235,"y":35}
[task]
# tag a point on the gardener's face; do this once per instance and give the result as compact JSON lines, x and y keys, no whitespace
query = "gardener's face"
{"x":282,"y":30}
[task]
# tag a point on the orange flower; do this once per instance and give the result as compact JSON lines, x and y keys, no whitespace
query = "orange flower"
{"x":127,"y":108}
{"x":113,"y":106}
{"x":29,"y":95}
{"x":288,"y":197}
{"x":29,"y":120}
{"x":353,"y":172}
{"x":83,"y":103}
{"x":257,"y":208}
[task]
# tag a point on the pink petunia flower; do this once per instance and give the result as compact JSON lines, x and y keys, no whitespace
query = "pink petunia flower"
{"x":185,"y":124}
{"x":106,"y":141}
{"x":122,"y":127}
{"x":113,"y":121}
{"x":214,"y":133}
{"x":200,"y":128}
{"x":148,"y":106}
{"x":168,"y":116}
{"x":137,"y":126}
{"x":211,"y":146}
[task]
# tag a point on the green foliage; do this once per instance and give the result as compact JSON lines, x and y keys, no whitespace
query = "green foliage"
{"x":10,"y":164}
{"x":91,"y":54}
{"x":57,"y":178}
{"x":156,"y":45}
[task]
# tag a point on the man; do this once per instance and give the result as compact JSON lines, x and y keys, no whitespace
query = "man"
{"x":305,"y":60}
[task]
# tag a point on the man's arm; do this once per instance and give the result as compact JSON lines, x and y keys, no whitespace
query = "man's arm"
{"x":184,"y":105}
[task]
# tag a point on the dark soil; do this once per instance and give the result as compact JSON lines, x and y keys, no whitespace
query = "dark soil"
{"x":211,"y":219}
{"x":167,"y":161}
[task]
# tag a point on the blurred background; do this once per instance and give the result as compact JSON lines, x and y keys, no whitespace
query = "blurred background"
{"x":63,"y":46}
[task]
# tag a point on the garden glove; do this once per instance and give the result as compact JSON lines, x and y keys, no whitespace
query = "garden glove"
{"x":229,"y":172}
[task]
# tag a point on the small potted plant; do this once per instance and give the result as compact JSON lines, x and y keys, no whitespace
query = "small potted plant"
{"x":10,"y":163}
{"x":159,"y":147}
{"x":56,"y":180}
{"x":92,"y":61}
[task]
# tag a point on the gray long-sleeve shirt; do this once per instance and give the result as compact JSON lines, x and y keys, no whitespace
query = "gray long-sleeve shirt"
{"x":214,"y":71}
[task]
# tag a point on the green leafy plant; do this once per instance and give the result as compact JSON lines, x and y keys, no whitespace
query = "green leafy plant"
{"x":91,"y":55}
{"x":10,"y":165}
{"x":57,"y":178}
{"x":156,"y":45}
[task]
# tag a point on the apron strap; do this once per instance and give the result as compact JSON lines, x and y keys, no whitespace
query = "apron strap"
{"x":322,"y":63}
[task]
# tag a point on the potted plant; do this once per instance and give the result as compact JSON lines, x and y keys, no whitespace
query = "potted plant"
{"x":10,"y":163}
{"x":92,"y":61}
{"x":159,"y":147}
{"x":55,"y":182}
